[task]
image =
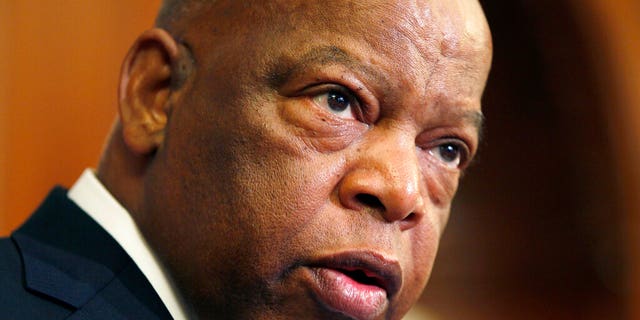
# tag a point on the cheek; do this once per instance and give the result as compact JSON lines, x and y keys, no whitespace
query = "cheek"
{"x":282,"y":166}
{"x":252,"y":200}
{"x":272,"y":181}
{"x":441,"y":182}
{"x":280,"y":193}
{"x":423,"y":246}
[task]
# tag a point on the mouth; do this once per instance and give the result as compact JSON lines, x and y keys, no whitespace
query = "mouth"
{"x":356,"y":284}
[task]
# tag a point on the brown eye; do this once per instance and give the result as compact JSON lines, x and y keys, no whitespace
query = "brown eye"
{"x":450,"y":154}
{"x":338,"y":103}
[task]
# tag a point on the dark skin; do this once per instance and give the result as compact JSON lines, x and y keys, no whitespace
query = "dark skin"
{"x":268,"y":137}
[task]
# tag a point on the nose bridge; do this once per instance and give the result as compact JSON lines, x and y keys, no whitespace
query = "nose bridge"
{"x":397,"y":164}
{"x":387,"y":171}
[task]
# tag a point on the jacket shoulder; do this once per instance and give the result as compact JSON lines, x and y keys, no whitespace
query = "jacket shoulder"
{"x":16,"y":302}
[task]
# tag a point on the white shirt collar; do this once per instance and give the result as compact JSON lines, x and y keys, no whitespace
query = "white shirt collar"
{"x":92,"y":197}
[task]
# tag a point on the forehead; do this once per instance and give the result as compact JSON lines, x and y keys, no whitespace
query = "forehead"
{"x":447,"y":24}
{"x":442,"y":26}
{"x":406,"y":40}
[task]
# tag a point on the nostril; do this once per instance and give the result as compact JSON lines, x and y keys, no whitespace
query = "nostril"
{"x":412,"y":217}
{"x":370,"y":201}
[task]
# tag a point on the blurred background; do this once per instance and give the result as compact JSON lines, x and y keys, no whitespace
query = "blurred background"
{"x":546,"y":224}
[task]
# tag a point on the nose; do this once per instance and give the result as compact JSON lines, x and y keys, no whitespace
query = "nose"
{"x":386,"y":179}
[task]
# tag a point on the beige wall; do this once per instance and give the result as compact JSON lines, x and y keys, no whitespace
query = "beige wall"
{"x":614,"y":27}
{"x":4,"y":21}
{"x":60,"y":63}
{"x":621,"y":35}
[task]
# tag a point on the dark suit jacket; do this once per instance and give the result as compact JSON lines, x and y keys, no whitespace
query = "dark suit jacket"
{"x":62,"y":265}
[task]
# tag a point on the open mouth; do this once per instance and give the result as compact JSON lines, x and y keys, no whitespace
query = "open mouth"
{"x":359,"y":285}
{"x":364,"y":277}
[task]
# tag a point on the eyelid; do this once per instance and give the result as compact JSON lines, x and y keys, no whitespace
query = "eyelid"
{"x":465,"y":151}
{"x":340,"y":77}
{"x":361,"y":109}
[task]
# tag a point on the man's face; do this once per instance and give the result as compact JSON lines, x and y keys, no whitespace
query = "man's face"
{"x":308,"y":170}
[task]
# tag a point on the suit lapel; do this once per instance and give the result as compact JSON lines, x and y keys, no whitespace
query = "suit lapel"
{"x":68,"y":257}
{"x":60,"y":274}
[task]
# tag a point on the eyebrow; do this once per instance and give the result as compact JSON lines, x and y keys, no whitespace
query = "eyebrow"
{"x":463,"y":117}
{"x":477,"y":120}
{"x":473,"y":117}
{"x":284,"y":68}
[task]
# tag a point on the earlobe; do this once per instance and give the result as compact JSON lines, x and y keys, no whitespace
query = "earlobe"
{"x":146,"y":83}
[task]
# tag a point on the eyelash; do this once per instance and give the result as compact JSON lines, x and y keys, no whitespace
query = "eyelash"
{"x":465,"y":153}
{"x":361,"y":110}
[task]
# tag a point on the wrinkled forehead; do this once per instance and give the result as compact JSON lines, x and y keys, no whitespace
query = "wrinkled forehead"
{"x":455,"y":23}
{"x":447,"y":26}
{"x":416,"y":33}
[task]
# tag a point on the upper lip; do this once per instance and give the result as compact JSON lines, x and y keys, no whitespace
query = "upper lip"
{"x":383,"y":272}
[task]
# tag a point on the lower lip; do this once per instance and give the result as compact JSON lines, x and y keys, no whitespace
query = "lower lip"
{"x":341,"y":293}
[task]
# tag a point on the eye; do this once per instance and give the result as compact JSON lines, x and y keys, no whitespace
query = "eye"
{"x":339,"y":103}
{"x":451,"y":154}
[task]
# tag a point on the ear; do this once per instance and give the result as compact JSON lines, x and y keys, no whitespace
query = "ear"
{"x":151,"y":71}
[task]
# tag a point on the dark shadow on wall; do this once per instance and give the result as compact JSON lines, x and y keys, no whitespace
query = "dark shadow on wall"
{"x":535,"y":232}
